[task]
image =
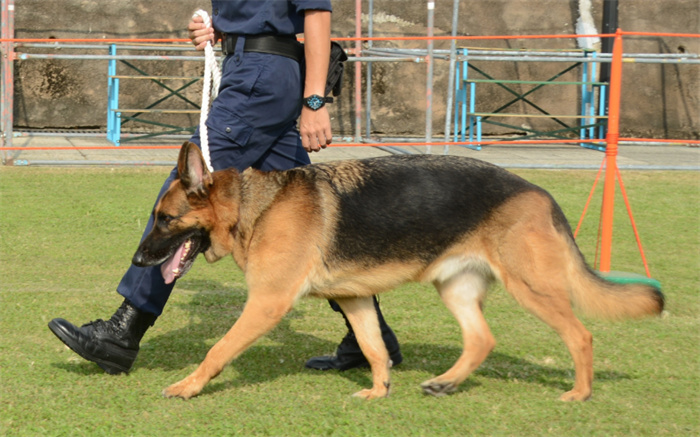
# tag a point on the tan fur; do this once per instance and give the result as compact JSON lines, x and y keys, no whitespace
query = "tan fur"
{"x":280,"y":232}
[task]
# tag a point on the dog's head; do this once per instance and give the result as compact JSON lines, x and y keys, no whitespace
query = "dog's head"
{"x":186,"y":222}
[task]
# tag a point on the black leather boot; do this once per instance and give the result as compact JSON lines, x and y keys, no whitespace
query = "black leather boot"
{"x":349,"y":355}
{"x":112,"y":344}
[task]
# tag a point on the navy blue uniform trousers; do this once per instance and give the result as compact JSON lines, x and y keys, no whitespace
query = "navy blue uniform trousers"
{"x":252,"y":123}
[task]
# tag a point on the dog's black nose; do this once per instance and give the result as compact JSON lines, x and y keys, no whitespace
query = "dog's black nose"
{"x":139,"y":260}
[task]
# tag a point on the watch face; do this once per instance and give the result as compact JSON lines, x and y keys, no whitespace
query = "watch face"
{"x":314,"y":102}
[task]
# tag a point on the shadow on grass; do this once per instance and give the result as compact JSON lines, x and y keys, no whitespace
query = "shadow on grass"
{"x":81,"y":368}
{"x":436,"y":360}
{"x":211,"y":315}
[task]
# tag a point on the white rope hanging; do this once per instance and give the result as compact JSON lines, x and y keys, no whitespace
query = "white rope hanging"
{"x":210,"y":89}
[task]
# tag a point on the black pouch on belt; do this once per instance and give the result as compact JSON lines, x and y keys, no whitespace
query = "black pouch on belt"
{"x":334,"y":80}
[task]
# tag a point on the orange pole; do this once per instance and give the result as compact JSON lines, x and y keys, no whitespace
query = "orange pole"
{"x":612,"y":138}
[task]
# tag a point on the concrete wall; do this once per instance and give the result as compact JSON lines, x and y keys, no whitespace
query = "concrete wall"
{"x":658,"y":100}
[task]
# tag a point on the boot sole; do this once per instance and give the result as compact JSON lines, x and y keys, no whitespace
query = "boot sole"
{"x":329,"y":363}
{"x":109,"y":367}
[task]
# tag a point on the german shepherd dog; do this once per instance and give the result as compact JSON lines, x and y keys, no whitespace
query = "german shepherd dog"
{"x":349,"y":230}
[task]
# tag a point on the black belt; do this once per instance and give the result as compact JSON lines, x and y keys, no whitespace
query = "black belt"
{"x":274,"y":44}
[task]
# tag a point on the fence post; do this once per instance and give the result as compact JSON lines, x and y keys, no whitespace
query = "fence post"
{"x":429,"y":86}
{"x":113,"y":121}
{"x":358,"y":71}
{"x":7,"y":68}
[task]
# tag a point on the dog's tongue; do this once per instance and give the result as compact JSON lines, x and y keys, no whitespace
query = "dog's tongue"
{"x":172,"y":263}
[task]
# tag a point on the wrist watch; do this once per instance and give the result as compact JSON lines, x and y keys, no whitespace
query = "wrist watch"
{"x":316,"y":102}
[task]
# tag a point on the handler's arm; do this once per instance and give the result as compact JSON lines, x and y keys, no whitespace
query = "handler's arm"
{"x":315,"y":126}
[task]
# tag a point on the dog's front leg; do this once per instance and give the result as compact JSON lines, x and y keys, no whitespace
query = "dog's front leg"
{"x":363,"y":318}
{"x":259,"y":316}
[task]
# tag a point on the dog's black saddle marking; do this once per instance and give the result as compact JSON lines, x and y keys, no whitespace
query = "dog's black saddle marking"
{"x":414,"y":207}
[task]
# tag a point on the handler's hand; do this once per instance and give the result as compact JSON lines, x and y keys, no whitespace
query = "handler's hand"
{"x":200,"y":34}
{"x":315,"y":129}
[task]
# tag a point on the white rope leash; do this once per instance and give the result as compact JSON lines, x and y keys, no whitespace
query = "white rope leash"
{"x":210,"y":89}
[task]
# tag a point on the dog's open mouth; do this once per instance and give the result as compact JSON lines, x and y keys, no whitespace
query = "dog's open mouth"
{"x":181,"y":261}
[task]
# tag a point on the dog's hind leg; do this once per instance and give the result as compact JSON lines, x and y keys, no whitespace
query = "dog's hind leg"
{"x":536,"y":273}
{"x":463,"y":295}
{"x":363,"y":318}
{"x":553,"y":307}
{"x":536,"y":261}
{"x":262,"y":312}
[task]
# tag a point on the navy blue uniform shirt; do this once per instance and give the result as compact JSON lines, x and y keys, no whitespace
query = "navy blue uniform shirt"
{"x":255,"y":17}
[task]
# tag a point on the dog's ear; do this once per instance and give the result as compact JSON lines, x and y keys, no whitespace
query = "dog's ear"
{"x":194,"y":174}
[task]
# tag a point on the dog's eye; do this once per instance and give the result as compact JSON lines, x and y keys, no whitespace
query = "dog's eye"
{"x":165,"y":219}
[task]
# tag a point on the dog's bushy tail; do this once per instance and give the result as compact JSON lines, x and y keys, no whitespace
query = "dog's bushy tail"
{"x":598,"y":297}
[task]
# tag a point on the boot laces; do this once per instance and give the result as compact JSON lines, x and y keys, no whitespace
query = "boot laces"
{"x":115,"y":324}
{"x":100,"y":325}
{"x":118,"y":321}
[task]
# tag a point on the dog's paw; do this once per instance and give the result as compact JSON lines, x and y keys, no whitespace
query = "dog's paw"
{"x":184,"y":389}
{"x":575,"y":395}
{"x":435,"y":387}
{"x":372,"y":393}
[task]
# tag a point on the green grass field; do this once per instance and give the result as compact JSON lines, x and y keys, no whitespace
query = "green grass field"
{"x":66,"y":236}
